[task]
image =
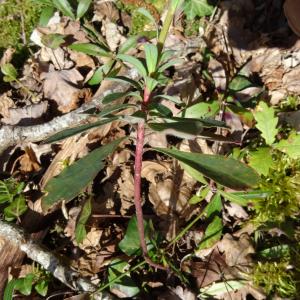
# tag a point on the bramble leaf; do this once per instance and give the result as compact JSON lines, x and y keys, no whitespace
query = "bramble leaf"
{"x":290,"y":146}
{"x":261,"y":160}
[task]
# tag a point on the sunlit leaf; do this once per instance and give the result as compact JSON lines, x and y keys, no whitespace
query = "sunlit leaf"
{"x":134,"y":62}
{"x":235,"y":198}
{"x":41,"y":287}
{"x":65,"y":7}
{"x":261,"y":160}
{"x":124,"y":79}
{"x":53,"y":40}
{"x":10,"y":71}
{"x":130,"y":43}
{"x":201,"y":110}
{"x":226,"y":171}
{"x":239,"y":83}
{"x":145,"y":12}
{"x":9,"y":290}
{"x":214,"y":206}
{"x":200,"y":8}
{"x":80,"y":231}
{"x":114,"y":108}
{"x":73,"y":179}
{"x":90,"y":49}
{"x":82,"y":8}
{"x":266,"y":122}
{"x":290,"y":146}
{"x":151,"y":55}
{"x":16,"y":208}
{"x":212,"y":233}
{"x":24,"y":285}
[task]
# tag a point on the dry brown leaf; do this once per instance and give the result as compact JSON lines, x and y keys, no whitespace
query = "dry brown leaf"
{"x":28,"y":161}
{"x":27,"y":115}
{"x":63,"y":87}
{"x":69,"y":230}
{"x":113,"y":35}
{"x":92,"y":240}
{"x":218,"y":73}
{"x":152,"y":169}
{"x":6,"y":103}
{"x":236,"y":211}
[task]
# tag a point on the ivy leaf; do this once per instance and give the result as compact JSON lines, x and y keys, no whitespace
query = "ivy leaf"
{"x":291,"y":146}
{"x":73,"y":179}
{"x":266,"y":122}
{"x":200,"y":8}
{"x":80,"y":231}
{"x":24,"y":285}
{"x":226,"y":171}
{"x":261,"y":160}
{"x":15,"y":209}
{"x":42,"y":287}
{"x":212,"y":233}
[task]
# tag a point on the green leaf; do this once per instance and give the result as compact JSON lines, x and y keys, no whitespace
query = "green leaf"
{"x":159,"y":109}
{"x":151,"y":55}
{"x":91,"y":49}
{"x":113,"y":108}
{"x":150,"y":83}
{"x":16,"y":208}
{"x":42,"y":287}
{"x":130,"y":43}
{"x":124,"y":79}
{"x":46,"y":14}
{"x":214,"y":206}
{"x":130,"y":244}
{"x":239,"y":83}
{"x":261,"y":160}
{"x":232,"y":197}
{"x":200,"y":8}
{"x":212,"y":233}
{"x":9,"y":290}
{"x":5,"y":193}
{"x":10,"y":72}
{"x":97,"y":77}
{"x":174,"y":99}
{"x":65,"y":7}
{"x":80,"y":231}
{"x":194,"y":173}
{"x":226,"y":171}
{"x":291,"y":146}
{"x":266,"y":122}
{"x":125,"y":285}
{"x":83,"y":7}
{"x":76,"y":130}
{"x":115,"y":96}
{"x":73,"y":179}
{"x":171,"y":63}
{"x":166,"y":55}
{"x":276,"y":252}
{"x":220,"y":288}
{"x":53,"y":40}
{"x":147,"y":14}
{"x":24,"y":285}
{"x":134,"y":62}
{"x":201,"y":110}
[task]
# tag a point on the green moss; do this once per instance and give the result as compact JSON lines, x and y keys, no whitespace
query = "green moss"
{"x":275,"y":278}
{"x":284,"y":201}
{"x":191,"y":27}
{"x":14,"y":13}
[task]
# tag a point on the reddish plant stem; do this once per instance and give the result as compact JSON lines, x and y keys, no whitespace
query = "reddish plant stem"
{"x":137,"y":182}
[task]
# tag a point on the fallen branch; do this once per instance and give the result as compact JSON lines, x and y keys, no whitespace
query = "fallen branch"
{"x":49,"y":261}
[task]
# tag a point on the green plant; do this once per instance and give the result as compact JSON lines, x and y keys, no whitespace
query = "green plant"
{"x":38,"y":278}
{"x":11,"y":195}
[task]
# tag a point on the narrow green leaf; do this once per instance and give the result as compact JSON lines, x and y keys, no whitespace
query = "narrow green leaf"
{"x":115,"y":96}
{"x":145,"y":12}
{"x":97,"y":77}
{"x":171,"y":63}
{"x":166,"y":55}
{"x":114,"y":108}
{"x":239,"y":83}
{"x":65,"y":7}
{"x":46,"y":14}
{"x":134,"y":62}
{"x":130,"y":43}
{"x":266,"y":122}
{"x":10,"y":71}
{"x":130,"y":244}
{"x":124,"y":79}
{"x":151,"y":55}
{"x":194,"y":173}
{"x":80,"y":231}
{"x":73,"y":179}
{"x":151,"y":83}
{"x":90,"y":49}
{"x":291,"y":146}
{"x":174,"y":99}
{"x":261,"y":160}
{"x":76,"y":130}
{"x":200,"y":8}
{"x":226,"y":171}
{"x":83,"y":7}
{"x":125,"y":285}
{"x":9,"y":290}
{"x":212,"y":233}
{"x":235,"y":198}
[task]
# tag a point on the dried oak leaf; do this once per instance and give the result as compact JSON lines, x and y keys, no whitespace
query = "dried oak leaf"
{"x":63,"y":87}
